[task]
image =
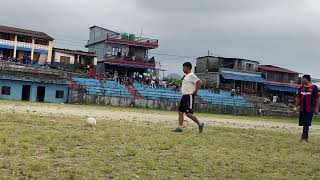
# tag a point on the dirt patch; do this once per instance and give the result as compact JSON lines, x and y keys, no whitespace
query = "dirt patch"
{"x":105,"y":114}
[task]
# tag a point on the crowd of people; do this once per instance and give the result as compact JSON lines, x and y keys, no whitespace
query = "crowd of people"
{"x":23,"y":60}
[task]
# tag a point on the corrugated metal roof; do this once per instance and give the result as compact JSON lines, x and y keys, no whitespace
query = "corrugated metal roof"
{"x":242,"y":76}
{"x":276,"y":69}
{"x":76,"y":52}
{"x":25,"y":32}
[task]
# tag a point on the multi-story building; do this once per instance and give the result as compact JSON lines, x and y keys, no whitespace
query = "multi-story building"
{"x":229,"y":73}
{"x":73,"y":60}
{"x":22,"y":43}
{"x":121,"y":52}
{"x":282,"y":82}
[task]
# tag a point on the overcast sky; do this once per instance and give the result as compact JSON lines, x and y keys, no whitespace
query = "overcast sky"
{"x":284,"y":33}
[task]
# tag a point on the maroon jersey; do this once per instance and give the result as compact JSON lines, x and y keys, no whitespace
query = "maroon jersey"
{"x":308,"y":96}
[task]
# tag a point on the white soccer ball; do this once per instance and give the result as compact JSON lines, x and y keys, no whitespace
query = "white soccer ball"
{"x":91,"y":121}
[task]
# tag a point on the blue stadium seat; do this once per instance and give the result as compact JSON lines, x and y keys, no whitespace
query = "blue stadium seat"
{"x":107,"y":88}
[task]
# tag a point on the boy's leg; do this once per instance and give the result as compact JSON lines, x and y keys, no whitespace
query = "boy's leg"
{"x":305,"y":133}
{"x":195,"y":119}
{"x":181,"y":118}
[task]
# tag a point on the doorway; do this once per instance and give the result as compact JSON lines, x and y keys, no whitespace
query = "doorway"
{"x":26,"y":92}
{"x":41,"y":91}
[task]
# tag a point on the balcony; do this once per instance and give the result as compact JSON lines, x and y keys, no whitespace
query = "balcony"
{"x":133,"y":41}
{"x":24,"y":46}
{"x":130,"y":62}
{"x":43,"y":49}
{"x":6,"y":44}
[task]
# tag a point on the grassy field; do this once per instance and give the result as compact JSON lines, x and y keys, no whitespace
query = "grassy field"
{"x":59,"y":147}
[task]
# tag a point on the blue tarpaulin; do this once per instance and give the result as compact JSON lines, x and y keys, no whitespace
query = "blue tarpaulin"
{"x":283,"y":88}
{"x":241,"y":76}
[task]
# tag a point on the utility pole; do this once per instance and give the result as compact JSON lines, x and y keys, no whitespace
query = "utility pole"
{"x":207,"y":64}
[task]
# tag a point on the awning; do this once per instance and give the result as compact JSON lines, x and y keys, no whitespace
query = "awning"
{"x":241,"y":76}
{"x":283,"y":88}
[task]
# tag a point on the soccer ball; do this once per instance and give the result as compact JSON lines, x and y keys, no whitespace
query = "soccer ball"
{"x":91,"y":121}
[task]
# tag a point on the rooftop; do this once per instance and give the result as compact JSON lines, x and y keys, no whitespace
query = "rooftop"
{"x":124,"y":38}
{"x":94,"y":26}
{"x":283,"y":84}
{"x":25,"y":32}
{"x":276,"y":69}
{"x":75,"y":52}
{"x":227,"y":58}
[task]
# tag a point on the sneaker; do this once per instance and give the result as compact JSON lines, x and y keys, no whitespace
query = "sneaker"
{"x":304,"y":140}
{"x":201,"y":126}
{"x":178,"y":130}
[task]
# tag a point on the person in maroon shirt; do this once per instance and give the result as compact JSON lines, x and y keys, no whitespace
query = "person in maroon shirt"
{"x":307,"y":100}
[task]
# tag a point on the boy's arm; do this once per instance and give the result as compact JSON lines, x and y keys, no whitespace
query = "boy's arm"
{"x":198,"y":86}
{"x":317,"y":105}
{"x":317,"y":101}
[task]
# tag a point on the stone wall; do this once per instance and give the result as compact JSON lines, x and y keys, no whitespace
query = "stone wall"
{"x":156,"y":104}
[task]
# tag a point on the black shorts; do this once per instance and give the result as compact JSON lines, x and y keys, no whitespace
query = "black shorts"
{"x":187,"y":104}
{"x":305,"y":118}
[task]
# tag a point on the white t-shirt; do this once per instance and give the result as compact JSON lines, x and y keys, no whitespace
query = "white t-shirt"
{"x":189,"y":84}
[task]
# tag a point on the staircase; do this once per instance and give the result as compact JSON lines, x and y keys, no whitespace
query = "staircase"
{"x":134,"y":92}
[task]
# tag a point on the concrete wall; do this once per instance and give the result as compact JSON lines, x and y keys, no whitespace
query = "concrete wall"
{"x":245,"y":62}
{"x":210,"y":77}
{"x":207,"y":63}
{"x":101,"y":49}
{"x":98,"y":34}
{"x":50,"y":91}
{"x":57,"y":56}
{"x":155,"y":104}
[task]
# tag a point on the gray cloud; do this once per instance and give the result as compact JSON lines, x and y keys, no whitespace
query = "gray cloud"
{"x":279,"y":32}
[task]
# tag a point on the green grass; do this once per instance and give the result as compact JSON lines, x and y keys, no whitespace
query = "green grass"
{"x":59,"y":147}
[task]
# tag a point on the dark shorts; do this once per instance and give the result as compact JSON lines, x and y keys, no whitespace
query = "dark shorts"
{"x":187,"y":104}
{"x":305,"y":118}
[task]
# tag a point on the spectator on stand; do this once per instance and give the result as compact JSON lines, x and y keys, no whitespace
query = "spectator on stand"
{"x":267,"y":100}
{"x":101,"y":76}
{"x":238,"y":91}
{"x":233,"y":91}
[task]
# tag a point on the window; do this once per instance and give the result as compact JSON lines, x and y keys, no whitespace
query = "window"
{"x":116,"y":51}
{"x":5,"y":90}
{"x":59,"y":94}
{"x":64,"y":60}
{"x":249,"y":67}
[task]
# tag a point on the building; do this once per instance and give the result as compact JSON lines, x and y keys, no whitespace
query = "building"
{"x":23,"y":44}
{"x":121,"y":52}
{"x":316,"y":81}
{"x":27,"y":83}
{"x":229,"y":73}
{"x":282,"y":82}
{"x":73,"y":60}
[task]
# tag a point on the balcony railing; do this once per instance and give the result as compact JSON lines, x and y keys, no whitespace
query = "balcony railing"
{"x":24,"y":45}
{"x":41,"y":47}
{"x":133,"y":41}
{"x":6,"y":42}
{"x":130,"y":61}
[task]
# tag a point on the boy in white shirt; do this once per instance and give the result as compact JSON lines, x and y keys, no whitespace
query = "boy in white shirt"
{"x":190,"y":86}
